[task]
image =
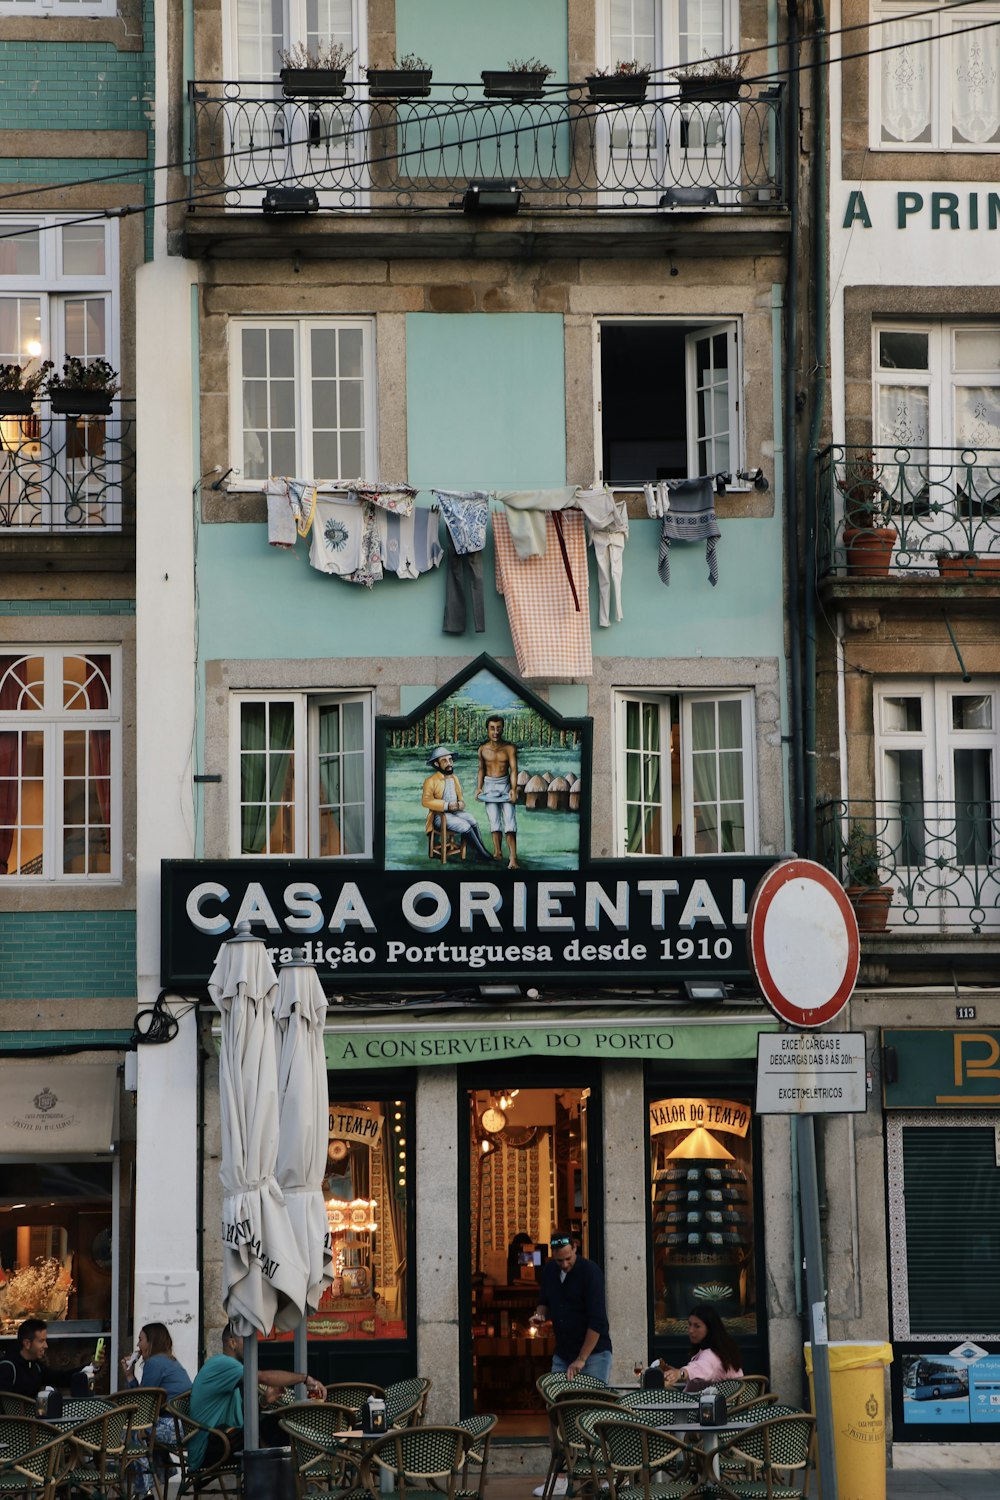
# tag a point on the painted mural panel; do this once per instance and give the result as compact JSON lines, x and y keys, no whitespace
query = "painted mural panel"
{"x":483,"y":778}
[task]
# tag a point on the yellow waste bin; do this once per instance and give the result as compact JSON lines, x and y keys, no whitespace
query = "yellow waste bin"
{"x":857,"y":1384}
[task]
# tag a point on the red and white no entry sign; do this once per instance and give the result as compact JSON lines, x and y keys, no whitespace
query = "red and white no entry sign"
{"x":802,"y":941}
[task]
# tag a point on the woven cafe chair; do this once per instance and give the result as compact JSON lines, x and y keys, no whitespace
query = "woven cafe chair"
{"x":223,"y":1476}
{"x":645,"y":1463}
{"x":734,"y":1461}
{"x":406,"y":1401}
{"x":575,"y":1451}
{"x":777,"y":1456}
{"x":352,"y":1393}
{"x":752,"y":1386}
{"x":555,"y":1384}
{"x":148,"y":1401}
{"x":13,"y":1405}
{"x":321,"y":1460}
{"x":641,"y":1402}
{"x":33,"y":1458}
{"x":101,"y":1445}
{"x":426,"y":1461}
{"x":479,"y":1430}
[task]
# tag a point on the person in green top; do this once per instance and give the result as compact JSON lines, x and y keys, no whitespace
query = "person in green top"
{"x":217,"y":1397}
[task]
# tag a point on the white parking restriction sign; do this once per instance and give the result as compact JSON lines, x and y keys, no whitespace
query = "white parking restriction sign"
{"x":811,"y":1073}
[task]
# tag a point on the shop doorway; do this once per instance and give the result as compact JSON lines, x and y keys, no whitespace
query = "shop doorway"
{"x":529,"y":1172}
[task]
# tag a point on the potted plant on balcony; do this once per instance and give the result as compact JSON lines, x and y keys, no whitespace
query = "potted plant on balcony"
{"x":408,"y":78}
{"x":18,"y":389}
{"x":958,"y":567}
{"x":868,"y":540}
{"x":714,"y":81}
{"x":523,"y":78}
{"x":318,"y":73}
{"x":85,"y":388}
{"x":625,"y":83}
{"x":869,"y":897}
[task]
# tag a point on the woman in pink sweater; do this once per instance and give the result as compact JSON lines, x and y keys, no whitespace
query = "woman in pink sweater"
{"x":714,"y":1354}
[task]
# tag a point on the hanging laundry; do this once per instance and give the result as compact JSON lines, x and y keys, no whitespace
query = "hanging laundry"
{"x":465,"y":513}
{"x":690,"y":518}
{"x":369,"y":569}
{"x":657,"y":499}
{"x":302,"y":493}
{"x":281,"y":528}
{"x":390,"y":497}
{"x":607,"y":527}
{"x":409,"y":544}
{"x":463,"y":567}
{"x":526,"y":511}
{"x":547,"y":599}
{"x":337,"y":536}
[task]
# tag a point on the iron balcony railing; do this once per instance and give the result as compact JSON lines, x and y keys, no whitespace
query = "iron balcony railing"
{"x":940,"y":859}
{"x":562,"y":151}
{"x":67,"y":473}
{"x":910,"y":512}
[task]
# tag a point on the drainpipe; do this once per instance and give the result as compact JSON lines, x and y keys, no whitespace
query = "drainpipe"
{"x":820,"y":280}
{"x":791,"y":486}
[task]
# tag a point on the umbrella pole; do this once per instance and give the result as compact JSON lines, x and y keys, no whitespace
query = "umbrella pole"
{"x":302,"y":1355}
{"x":251,"y":1405}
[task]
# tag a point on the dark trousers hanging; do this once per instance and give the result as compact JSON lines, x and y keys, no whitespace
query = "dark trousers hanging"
{"x":462,"y":566}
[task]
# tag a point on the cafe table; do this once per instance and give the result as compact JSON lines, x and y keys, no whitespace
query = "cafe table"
{"x":703,"y":1438}
{"x":363,"y":1442}
{"x":77,"y":1410}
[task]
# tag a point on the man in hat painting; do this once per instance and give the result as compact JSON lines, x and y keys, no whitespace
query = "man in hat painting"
{"x":442,"y":796}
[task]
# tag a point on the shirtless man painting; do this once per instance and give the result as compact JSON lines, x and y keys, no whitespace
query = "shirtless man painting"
{"x":497,"y":787}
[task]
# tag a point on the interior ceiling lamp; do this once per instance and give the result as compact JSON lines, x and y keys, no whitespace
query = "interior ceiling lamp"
{"x":700,"y":1145}
{"x":490,"y":195}
{"x":290,"y":200}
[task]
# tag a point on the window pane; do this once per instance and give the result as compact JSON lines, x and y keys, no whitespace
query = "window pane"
{"x":326,"y":458}
{"x":366,"y":1188}
{"x":86,"y":327}
{"x":281,"y":352}
{"x":20,"y":330}
{"x":267,"y":777}
{"x":86,"y":682}
{"x":83,"y":249}
{"x":730,"y":725}
{"x":975,"y":91}
{"x":323,"y":342}
{"x":20,"y":255}
{"x":351,"y":353}
{"x":354,"y":778}
{"x":906,"y":82}
{"x":903,"y":420}
{"x":354,"y":830}
{"x":901,"y":714}
{"x":732,"y":826}
{"x":353,"y":718}
{"x":352,"y":457}
{"x":351,"y":403}
{"x":254,"y":350}
{"x":22,"y":683}
{"x":977,"y":421}
{"x":902,"y":350}
{"x":977,"y":349}
{"x":971,"y":711}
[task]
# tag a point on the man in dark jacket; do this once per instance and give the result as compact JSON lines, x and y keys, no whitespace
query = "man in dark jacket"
{"x":571,"y":1297}
{"x":25,"y":1372}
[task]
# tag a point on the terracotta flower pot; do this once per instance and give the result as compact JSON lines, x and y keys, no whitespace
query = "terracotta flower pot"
{"x":871,"y":906}
{"x":869,"y":552}
{"x":958,"y":566}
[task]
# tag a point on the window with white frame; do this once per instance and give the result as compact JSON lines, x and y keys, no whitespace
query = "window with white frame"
{"x":57,"y":291}
{"x":302,"y":399}
{"x":937,"y":758}
{"x":937,"y":86}
{"x":684,"y":774}
{"x":668,"y":403}
{"x":60,"y":763}
{"x":937,"y":385}
{"x":257,"y":31}
{"x":302,"y":773}
{"x":663,"y":34}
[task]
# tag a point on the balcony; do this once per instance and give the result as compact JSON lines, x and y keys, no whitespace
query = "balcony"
{"x":923,"y":517}
{"x":66,"y":478}
{"x":593,"y":179}
{"x":941,"y":860}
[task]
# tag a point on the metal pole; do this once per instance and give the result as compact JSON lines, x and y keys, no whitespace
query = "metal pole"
{"x":301,"y":1355}
{"x":805,"y":1131}
{"x":251,"y":1406}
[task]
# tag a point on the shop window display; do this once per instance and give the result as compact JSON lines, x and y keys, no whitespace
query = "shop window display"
{"x":365,"y":1189}
{"x":701,"y":1159}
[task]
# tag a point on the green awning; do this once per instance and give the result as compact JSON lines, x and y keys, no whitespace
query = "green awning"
{"x":423,"y":1042}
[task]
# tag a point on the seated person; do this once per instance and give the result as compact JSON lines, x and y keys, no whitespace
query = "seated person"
{"x":442,"y":795}
{"x":714,"y":1354}
{"x":160,"y":1369}
{"x":25,"y":1372}
{"x":217,"y":1400}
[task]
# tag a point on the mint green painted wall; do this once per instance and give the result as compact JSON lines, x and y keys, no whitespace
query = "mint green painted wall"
{"x":485,"y":400}
{"x":310,"y":614}
{"x":459,"y":38}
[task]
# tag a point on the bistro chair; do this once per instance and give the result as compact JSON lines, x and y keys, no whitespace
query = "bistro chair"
{"x":139,"y":1450}
{"x":574,"y":1451}
{"x":321,"y":1460}
{"x":33,"y":1458}
{"x":13,"y":1405}
{"x":643,"y":1404}
{"x":777,"y":1455}
{"x":406,"y":1401}
{"x":425,"y":1461}
{"x":224,"y":1475}
{"x":479,"y":1430}
{"x":101,"y":1447}
{"x":645,"y":1463}
{"x":352,"y":1393}
{"x":737,"y":1463}
{"x":551,"y":1386}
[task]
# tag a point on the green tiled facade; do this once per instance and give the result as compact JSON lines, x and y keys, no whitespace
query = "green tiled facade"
{"x":67,"y":955}
{"x":67,"y":606}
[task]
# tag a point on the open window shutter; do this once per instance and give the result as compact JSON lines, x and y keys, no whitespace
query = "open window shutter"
{"x":951,"y":1187}
{"x":712,"y":415}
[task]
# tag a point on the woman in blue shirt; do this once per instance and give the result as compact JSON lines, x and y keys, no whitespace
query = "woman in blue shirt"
{"x":161,"y":1369}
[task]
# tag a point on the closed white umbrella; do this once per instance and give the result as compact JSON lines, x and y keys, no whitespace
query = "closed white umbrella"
{"x":303,"y":1129}
{"x":264,"y":1277}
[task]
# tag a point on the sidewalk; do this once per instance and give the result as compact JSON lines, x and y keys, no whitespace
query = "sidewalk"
{"x":901,"y":1484}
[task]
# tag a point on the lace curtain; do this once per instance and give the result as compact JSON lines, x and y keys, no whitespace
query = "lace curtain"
{"x":906,"y":81}
{"x":975,"y":86}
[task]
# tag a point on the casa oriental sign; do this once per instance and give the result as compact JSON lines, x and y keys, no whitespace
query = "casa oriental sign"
{"x":659,"y":922}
